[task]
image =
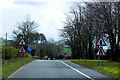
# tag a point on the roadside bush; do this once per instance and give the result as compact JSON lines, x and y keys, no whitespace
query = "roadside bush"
{"x":20,"y":55}
{"x":3,"y":53}
{"x":27,"y":55}
{"x":9,"y":52}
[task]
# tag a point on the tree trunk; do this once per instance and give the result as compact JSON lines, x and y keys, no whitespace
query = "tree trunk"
{"x":90,"y":49}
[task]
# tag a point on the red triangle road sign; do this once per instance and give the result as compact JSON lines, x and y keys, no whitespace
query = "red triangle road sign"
{"x":101,"y":52}
{"x":22,"y":50}
{"x":22,"y":42}
{"x":101,"y":42}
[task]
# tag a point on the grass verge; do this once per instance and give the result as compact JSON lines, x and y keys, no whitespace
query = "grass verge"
{"x":108,"y":67}
{"x":11,"y":66}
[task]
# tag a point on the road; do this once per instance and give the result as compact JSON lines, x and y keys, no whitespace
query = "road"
{"x":56,"y":70}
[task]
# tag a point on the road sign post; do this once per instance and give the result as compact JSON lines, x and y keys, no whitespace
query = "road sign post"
{"x":22,"y":50}
{"x":100,"y":51}
{"x":29,"y":48}
{"x":98,"y":60}
{"x":22,"y":43}
{"x":102,"y":60}
{"x":101,"y":42}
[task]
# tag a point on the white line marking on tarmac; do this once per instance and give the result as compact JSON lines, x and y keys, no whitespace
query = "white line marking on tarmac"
{"x":18,"y":70}
{"x":15,"y":72}
{"x":77,"y":70}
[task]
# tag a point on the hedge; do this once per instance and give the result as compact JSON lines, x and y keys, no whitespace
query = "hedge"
{"x":9,"y":52}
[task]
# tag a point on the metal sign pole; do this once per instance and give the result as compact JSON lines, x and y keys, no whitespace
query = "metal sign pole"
{"x":100,"y":43}
{"x":28,"y":52}
{"x":102,"y":60}
{"x":98,"y":60}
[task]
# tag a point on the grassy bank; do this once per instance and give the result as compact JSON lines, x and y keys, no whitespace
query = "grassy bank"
{"x":108,"y":67}
{"x":11,"y":66}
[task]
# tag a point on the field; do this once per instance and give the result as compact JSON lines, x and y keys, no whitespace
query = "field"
{"x":108,"y":67}
{"x":9,"y":67}
{"x":67,"y":50}
{"x":3,"y":43}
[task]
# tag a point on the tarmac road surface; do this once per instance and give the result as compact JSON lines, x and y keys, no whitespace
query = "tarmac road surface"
{"x":56,"y":70}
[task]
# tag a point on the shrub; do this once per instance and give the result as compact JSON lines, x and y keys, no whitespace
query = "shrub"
{"x":3,"y":53}
{"x":27,"y":55}
{"x":9,"y":52}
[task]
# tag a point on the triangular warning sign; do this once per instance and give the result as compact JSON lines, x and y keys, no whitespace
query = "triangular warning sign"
{"x":101,"y":52}
{"x":22,"y":50}
{"x":101,"y":42}
{"x":22,"y":42}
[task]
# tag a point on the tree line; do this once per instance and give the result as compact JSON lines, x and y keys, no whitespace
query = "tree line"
{"x":86,"y":22}
{"x":27,"y":30}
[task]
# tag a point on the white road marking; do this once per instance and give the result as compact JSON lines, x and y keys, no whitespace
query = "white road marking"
{"x":61,"y":62}
{"x":18,"y":70}
{"x":15,"y":72}
{"x":77,"y":70}
{"x":24,"y":65}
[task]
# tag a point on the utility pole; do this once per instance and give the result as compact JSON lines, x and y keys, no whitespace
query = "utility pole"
{"x":6,"y":39}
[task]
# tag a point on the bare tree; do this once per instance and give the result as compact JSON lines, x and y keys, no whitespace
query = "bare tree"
{"x":26,"y":30}
{"x":85,"y":24}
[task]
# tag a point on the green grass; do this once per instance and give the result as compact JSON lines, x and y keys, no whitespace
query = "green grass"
{"x":108,"y":67}
{"x":9,"y":67}
{"x":67,"y":50}
{"x":0,"y":70}
{"x":3,"y":43}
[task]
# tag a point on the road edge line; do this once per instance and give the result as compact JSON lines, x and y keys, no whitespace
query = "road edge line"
{"x":17,"y":70}
{"x":77,"y":70}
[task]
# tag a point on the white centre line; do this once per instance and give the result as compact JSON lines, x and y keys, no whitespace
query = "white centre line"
{"x":77,"y":70}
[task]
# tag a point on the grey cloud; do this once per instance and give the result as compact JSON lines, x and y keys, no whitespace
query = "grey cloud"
{"x":31,"y":3}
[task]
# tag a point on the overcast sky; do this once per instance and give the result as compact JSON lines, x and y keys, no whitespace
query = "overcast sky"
{"x":49,"y":14}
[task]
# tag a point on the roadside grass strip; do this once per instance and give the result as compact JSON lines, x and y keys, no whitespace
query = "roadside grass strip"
{"x":108,"y":67}
{"x":11,"y":66}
